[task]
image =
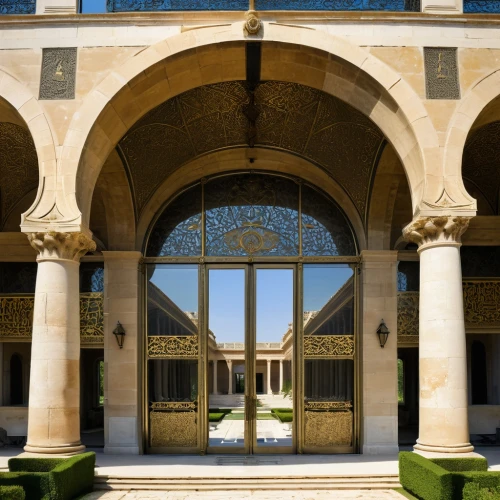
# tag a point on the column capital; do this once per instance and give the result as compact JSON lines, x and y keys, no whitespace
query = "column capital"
{"x":436,"y":231}
{"x":53,"y":245}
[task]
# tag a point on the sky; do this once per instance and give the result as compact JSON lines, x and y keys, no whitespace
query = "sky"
{"x":93,"y":6}
{"x":274,"y":296}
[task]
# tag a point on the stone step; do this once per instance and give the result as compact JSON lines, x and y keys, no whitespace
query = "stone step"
{"x":254,"y":484}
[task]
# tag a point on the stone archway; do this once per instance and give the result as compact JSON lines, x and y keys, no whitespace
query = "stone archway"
{"x":216,"y":54}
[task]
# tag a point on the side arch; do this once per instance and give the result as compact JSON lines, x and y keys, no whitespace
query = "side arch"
{"x":482,"y":93}
{"x":21,"y":99}
{"x":216,"y":54}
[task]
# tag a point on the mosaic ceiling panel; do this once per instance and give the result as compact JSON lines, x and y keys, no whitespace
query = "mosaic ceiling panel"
{"x":285,"y":116}
{"x":18,"y":167}
{"x":480,"y":163}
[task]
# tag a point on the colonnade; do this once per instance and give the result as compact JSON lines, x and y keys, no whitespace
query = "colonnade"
{"x":54,"y":420}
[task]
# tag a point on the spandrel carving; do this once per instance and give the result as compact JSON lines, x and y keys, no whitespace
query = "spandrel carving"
{"x":58,"y":73}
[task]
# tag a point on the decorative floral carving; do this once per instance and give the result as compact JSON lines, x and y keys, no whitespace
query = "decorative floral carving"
{"x":324,"y":346}
{"x":179,"y":347}
{"x":327,"y":405}
{"x":408,"y":311}
{"x":481,"y":303}
{"x":429,"y":230}
{"x":54,"y":245}
{"x":16,"y":316}
{"x":92,"y":318}
{"x":18,"y":167}
{"x":288,"y":116}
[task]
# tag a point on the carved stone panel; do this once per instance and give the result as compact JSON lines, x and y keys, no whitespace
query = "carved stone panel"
{"x":58,"y":74}
{"x":441,"y":73}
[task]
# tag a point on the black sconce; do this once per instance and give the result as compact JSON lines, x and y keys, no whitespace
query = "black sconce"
{"x":383,"y":333}
{"x":119,"y":333}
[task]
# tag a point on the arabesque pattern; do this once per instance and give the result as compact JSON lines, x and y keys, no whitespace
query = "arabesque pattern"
{"x":179,"y":347}
{"x":325,"y":346}
{"x":328,"y":428}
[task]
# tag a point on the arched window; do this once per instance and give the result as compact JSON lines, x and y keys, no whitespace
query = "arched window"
{"x":478,"y":374}
{"x":255,"y":215}
{"x":16,"y":380}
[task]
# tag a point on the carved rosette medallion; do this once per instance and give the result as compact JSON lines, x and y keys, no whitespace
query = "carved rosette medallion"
{"x":253,"y":24}
{"x":429,"y":231}
{"x":54,"y":245}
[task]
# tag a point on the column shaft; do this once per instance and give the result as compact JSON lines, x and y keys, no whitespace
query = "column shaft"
{"x":54,"y":403}
{"x":281,"y":375}
{"x":215,"y":377}
{"x":443,"y":419}
{"x":230,"y":369}
{"x":269,"y":389}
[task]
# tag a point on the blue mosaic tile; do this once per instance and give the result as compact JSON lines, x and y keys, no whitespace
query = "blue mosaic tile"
{"x":17,"y":7}
{"x":172,"y":5}
{"x":391,"y":5}
{"x":481,"y":6}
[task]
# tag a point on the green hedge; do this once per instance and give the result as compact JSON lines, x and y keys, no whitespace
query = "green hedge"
{"x":423,"y":478}
{"x":216,"y":416}
{"x":461,"y":464}
{"x":12,"y":493}
{"x":482,"y":479}
{"x":473,"y":491}
{"x":51,"y":478}
{"x":36,"y":485}
{"x":284,"y":414}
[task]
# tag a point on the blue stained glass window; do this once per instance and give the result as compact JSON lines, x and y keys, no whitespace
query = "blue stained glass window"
{"x":173,"y":5}
{"x":481,"y":6}
{"x":391,"y":5}
{"x":17,"y":6}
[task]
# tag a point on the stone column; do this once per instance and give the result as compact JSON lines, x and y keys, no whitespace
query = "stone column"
{"x":215,"y":377}
{"x":281,"y":375}
{"x":443,"y":422}
{"x":380,"y":366}
{"x":269,"y":390}
{"x":121,"y":375}
{"x":54,"y":403}
{"x":230,"y":369}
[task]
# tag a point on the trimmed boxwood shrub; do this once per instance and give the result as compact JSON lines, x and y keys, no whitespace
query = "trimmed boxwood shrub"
{"x":423,"y":478}
{"x":51,"y":478}
{"x":284,"y":414}
{"x":36,"y":485}
{"x":462,"y":464}
{"x":473,"y":491}
{"x":482,"y":479}
{"x":12,"y":493}
{"x":216,"y":417}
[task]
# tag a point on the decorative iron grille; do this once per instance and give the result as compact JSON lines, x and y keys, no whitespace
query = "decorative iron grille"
{"x":17,"y":7}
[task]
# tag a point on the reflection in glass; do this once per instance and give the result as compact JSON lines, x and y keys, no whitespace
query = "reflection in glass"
{"x":173,"y":355}
{"x":328,"y":356}
{"x":226,"y":353}
{"x":252,"y":215}
{"x":172,"y":299}
{"x":274,"y":349}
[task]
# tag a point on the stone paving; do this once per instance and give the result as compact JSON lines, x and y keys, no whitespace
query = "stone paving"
{"x":251,"y":495}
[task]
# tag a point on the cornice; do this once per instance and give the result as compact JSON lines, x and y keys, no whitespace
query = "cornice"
{"x":189,"y":19}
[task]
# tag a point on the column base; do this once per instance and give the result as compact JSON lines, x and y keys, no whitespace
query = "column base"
{"x":55,"y":450}
{"x":458,"y":448}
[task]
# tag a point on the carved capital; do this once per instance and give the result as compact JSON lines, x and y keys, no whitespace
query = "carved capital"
{"x":55,"y":245}
{"x":435,"y":230}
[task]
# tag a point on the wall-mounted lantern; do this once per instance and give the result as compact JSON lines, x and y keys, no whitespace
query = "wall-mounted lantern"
{"x":119,"y":333}
{"x":383,"y":333}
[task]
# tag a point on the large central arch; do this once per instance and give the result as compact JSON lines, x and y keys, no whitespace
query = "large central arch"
{"x":215,"y":54}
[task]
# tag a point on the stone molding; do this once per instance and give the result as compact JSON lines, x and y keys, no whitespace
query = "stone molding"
{"x":431,"y":231}
{"x":55,"y":245}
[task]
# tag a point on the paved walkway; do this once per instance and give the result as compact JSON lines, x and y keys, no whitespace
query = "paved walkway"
{"x":244,"y":495}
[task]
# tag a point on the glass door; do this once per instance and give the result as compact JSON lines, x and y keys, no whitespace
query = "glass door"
{"x":273,"y":417}
{"x":228,"y":367}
